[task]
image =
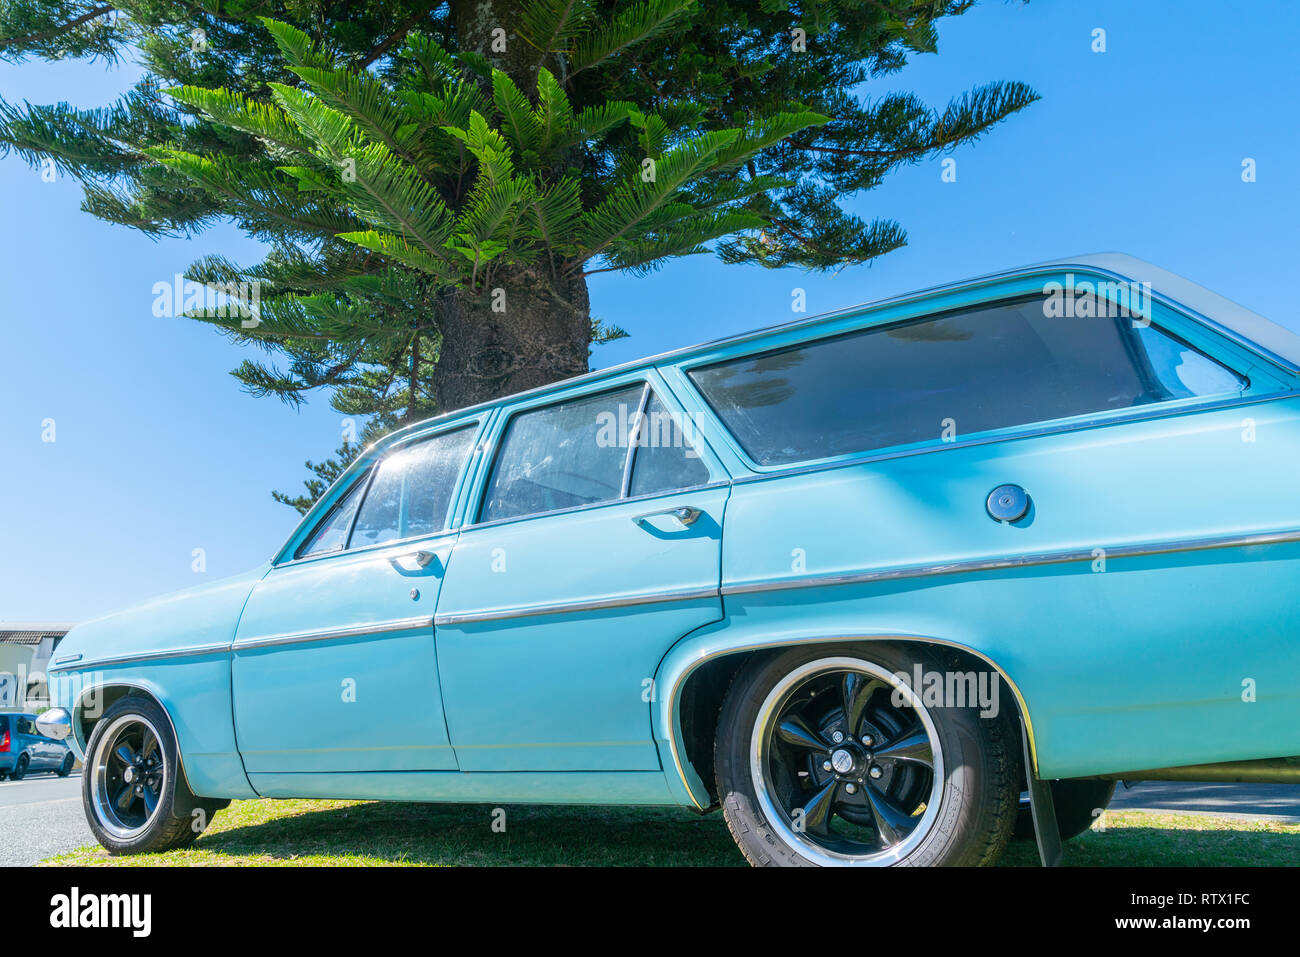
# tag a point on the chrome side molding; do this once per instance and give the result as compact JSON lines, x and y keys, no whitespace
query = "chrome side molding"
{"x":325,"y":634}
{"x":1016,"y":561}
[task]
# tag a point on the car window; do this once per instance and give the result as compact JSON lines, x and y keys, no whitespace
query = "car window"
{"x":563,"y":455}
{"x":332,"y":533}
{"x":665,"y":459}
{"x":411,"y":492}
{"x":25,"y":726}
{"x":986,"y":368}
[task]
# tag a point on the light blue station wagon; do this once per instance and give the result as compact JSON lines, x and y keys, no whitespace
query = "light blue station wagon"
{"x":860,"y":580}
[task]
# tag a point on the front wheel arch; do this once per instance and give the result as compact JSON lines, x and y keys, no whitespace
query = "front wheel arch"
{"x":95,"y":701}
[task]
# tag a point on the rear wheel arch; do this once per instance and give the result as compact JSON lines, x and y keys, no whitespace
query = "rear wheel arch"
{"x":697,"y":697}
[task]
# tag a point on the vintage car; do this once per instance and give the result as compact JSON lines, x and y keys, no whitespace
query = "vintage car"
{"x":860,"y":580}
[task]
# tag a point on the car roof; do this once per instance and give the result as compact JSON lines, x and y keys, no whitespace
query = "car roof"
{"x":1230,"y":318}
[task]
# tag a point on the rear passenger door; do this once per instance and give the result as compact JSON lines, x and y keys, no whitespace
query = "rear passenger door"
{"x":592,"y":544}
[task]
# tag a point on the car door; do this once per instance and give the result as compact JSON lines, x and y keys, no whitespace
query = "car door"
{"x":1105,"y":506}
{"x":593,"y":545}
{"x":334,"y":663}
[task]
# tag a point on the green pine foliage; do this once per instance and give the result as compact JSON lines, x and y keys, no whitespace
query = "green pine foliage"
{"x":407,"y":164}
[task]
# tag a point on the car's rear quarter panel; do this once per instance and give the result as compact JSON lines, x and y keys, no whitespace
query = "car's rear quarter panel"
{"x":1137,"y":663}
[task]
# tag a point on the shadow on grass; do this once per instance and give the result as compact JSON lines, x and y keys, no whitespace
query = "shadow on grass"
{"x":463,"y":834}
{"x":356,"y":833}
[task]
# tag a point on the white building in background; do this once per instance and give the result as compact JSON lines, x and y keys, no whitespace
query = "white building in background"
{"x":25,"y":652}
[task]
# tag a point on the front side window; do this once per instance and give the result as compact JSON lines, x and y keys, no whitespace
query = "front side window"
{"x":331,"y":534}
{"x":986,"y":368}
{"x":562,"y":456}
{"x":411,"y":492}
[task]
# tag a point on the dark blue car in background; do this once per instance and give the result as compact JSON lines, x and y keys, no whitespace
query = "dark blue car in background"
{"x":23,"y":749}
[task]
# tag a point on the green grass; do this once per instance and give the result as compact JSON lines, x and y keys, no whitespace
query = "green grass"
{"x":357,"y":833}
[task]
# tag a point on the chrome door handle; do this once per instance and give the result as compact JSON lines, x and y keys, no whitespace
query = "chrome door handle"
{"x":685,"y":514}
{"x":414,"y":560}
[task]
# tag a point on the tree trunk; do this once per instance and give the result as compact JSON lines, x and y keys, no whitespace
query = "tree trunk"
{"x":517,"y":335}
{"x":526,"y":328}
{"x":476,"y":21}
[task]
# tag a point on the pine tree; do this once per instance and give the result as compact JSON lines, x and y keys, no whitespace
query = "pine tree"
{"x":434,"y":182}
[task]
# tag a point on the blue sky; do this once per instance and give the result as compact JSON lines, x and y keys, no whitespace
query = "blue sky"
{"x":157,"y":452}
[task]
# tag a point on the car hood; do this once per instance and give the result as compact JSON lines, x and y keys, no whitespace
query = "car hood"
{"x":195,"y":618}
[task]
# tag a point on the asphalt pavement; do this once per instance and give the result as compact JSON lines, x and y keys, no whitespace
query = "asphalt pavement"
{"x":1276,"y":801}
{"x":41,"y":816}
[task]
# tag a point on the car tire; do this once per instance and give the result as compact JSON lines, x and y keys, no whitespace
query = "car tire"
{"x":1077,"y":803}
{"x":66,"y":767}
{"x":909,"y":783}
{"x":133,"y":749}
{"x":20,"y":768}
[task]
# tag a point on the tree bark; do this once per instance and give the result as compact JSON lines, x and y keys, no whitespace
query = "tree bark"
{"x":475,"y":21}
{"x":526,"y":331}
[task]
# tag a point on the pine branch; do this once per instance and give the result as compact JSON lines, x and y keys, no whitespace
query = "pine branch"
{"x":32,"y":39}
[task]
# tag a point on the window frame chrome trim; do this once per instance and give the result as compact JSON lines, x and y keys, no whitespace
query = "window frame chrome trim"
{"x":635,"y":429}
{"x":434,"y":538}
{"x":720,"y":483}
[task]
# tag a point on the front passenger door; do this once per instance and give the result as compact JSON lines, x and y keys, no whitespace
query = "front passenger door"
{"x":334,"y":666}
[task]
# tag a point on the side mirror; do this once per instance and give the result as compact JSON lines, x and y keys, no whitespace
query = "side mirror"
{"x":55,"y":723}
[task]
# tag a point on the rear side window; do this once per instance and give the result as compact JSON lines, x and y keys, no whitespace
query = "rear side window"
{"x":665,"y":459}
{"x":987,"y":368}
{"x":411,"y":492}
{"x":562,"y":456}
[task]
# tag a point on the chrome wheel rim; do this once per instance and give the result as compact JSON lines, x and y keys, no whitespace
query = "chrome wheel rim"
{"x":129,"y":776}
{"x":846,"y":763}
